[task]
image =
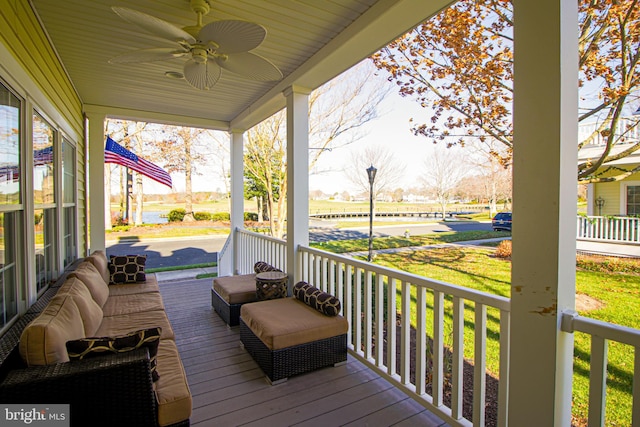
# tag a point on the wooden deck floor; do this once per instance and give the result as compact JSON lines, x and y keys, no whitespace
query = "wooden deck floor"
{"x":229,"y":389}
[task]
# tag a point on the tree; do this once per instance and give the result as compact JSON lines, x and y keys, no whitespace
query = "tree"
{"x":389,"y":170}
{"x":266,"y":170}
{"x":460,"y":64}
{"x":131,"y":136}
{"x":443,"y":172}
{"x":179,"y":149}
{"x":337,"y":111}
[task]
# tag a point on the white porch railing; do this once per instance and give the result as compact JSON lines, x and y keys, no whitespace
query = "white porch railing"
{"x":609,"y":229}
{"x":365,"y":291}
{"x":378,"y":301}
{"x":225,"y":258}
{"x":252,"y":247}
{"x":601,"y":334}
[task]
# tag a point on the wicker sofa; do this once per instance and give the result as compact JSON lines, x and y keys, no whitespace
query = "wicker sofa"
{"x":109,"y":388}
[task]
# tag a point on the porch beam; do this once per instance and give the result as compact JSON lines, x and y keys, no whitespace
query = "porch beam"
{"x":96,"y":197}
{"x":297,"y":177}
{"x":545,"y":195}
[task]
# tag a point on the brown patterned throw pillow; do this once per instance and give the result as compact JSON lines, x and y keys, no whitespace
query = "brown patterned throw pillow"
{"x":96,"y":346}
{"x":127,"y":268}
{"x":261,"y":267}
{"x":323,"y":302}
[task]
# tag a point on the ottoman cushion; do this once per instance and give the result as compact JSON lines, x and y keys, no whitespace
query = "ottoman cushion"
{"x":236,"y":289}
{"x":286,"y":322}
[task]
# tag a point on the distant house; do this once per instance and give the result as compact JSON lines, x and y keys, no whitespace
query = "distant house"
{"x":616,"y":198}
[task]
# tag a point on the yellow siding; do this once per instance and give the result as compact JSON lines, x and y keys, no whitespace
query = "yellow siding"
{"x":21,"y":34}
{"x":610,"y":192}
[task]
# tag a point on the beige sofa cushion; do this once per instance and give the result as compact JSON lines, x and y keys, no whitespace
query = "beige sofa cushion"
{"x":236,"y":289}
{"x":92,"y":279}
{"x":101,"y":263}
{"x":172,"y":390}
{"x":90,"y":311}
{"x":285,"y":322}
{"x":43,"y":340}
{"x":150,"y":285}
{"x":123,"y":324}
{"x":126,"y":304}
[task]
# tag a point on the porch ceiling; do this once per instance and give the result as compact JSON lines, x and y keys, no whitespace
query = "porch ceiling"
{"x":310,"y":41}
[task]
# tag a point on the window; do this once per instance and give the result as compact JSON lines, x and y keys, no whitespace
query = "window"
{"x":11,"y":231}
{"x":44,"y":201}
{"x":633,"y":200}
{"x":68,"y":199}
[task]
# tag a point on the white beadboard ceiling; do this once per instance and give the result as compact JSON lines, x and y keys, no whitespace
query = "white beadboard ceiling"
{"x":311,"y":41}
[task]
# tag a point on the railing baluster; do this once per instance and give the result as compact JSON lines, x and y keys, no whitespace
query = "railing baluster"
{"x":391,"y":326}
{"x":368,"y":314}
{"x":438,"y":348}
{"x":479,"y":366}
{"x":503,"y":385}
{"x":357,"y":314}
{"x":348,"y":310}
{"x":340,"y":285}
{"x":405,"y":339}
{"x":421,"y":341}
{"x":635,"y":416}
{"x":457,"y":361}
{"x":598,"y":380}
{"x":332,"y":277}
{"x":379,"y":304}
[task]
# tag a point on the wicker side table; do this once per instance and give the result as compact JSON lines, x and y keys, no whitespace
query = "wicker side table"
{"x":271,"y":285}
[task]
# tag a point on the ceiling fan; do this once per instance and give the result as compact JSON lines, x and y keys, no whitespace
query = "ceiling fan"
{"x":208,"y":48}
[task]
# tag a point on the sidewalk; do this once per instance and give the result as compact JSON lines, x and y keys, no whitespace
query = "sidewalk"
{"x":167,"y":276}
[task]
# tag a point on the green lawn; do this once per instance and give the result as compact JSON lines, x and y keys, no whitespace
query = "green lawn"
{"x":343,"y":246}
{"x":478,"y":269}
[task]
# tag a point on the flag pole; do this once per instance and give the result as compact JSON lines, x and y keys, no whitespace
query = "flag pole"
{"x":127,"y":194}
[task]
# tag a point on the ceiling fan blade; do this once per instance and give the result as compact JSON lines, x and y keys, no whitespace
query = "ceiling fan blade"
{"x":250,"y":65}
{"x":233,"y":36}
{"x":153,"y":25}
{"x":148,"y":55}
{"x":201,"y":75}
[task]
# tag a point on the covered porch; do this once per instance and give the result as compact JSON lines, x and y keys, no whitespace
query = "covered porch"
{"x":54,"y":57}
{"x":228,"y":387}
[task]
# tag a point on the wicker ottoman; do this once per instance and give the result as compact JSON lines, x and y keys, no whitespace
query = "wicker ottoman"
{"x":228,"y":293}
{"x":287,"y":337}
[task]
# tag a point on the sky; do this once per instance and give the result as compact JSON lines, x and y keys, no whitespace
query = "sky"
{"x":391,"y":128}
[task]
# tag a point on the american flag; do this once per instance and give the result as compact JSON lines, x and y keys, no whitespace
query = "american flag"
{"x":116,"y":153}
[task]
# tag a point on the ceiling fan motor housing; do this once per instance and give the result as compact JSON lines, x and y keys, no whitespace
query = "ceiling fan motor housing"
{"x":200,"y":7}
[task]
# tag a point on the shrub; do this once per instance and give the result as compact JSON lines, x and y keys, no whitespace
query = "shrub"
{"x":604,"y":264}
{"x":220,"y":216}
{"x":503,"y":250}
{"x":176,"y":215}
{"x":250,"y":216}
{"x":202,"y":216}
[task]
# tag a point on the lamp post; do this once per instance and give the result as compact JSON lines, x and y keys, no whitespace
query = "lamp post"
{"x":599,"y":204}
{"x":371,"y":172}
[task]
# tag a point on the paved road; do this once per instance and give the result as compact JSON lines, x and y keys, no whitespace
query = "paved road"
{"x":324,"y":232}
{"x":200,"y":250}
{"x":171,"y":252}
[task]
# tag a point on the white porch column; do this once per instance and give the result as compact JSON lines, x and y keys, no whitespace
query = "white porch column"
{"x":96,"y":196}
{"x":237,"y":189}
{"x":591,"y":200}
{"x":297,"y":177}
{"x":544,"y":207}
